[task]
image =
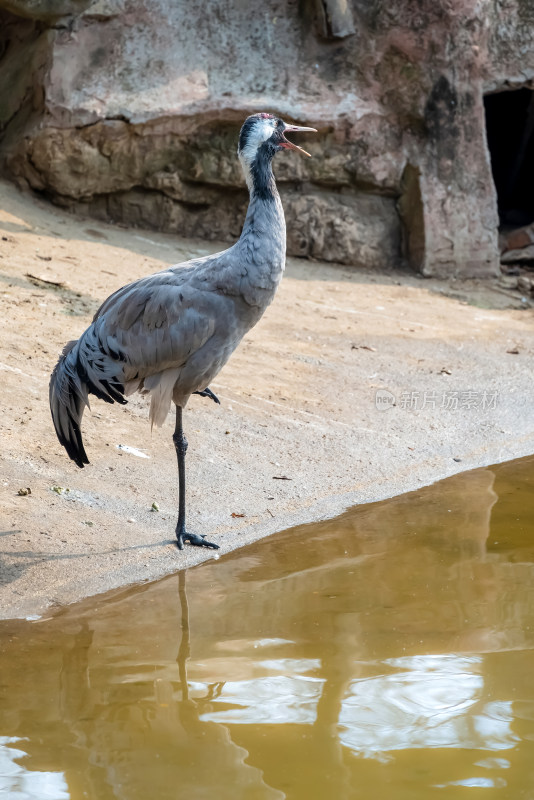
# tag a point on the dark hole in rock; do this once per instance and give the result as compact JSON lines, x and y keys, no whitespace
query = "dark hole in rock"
{"x":411,"y":212}
{"x":510,"y":136}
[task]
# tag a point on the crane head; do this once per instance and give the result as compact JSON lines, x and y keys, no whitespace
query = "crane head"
{"x":266,"y":133}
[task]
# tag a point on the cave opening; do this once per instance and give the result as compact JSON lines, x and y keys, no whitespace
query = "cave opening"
{"x":510,"y":136}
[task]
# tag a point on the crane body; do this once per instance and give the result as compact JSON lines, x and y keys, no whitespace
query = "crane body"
{"x":170,"y":333}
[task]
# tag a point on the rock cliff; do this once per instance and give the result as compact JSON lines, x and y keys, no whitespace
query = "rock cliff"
{"x":130,"y":111}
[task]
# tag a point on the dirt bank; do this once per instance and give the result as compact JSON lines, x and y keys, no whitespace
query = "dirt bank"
{"x":298,"y":434}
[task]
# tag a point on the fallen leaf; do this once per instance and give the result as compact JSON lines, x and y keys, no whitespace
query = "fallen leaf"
{"x":513,"y":352}
{"x":445,"y":371}
{"x":39,"y":281}
{"x":235,"y":514}
{"x":363,"y":347}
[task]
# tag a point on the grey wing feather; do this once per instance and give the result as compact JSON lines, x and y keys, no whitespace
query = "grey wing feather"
{"x":156,"y":325}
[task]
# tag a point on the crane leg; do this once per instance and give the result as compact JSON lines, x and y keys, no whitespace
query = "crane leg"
{"x":180,"y":444}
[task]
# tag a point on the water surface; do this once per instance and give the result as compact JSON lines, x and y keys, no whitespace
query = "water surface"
{"x":387,"y":653}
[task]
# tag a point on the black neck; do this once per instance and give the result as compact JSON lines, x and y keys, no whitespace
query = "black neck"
{"x":261,"y":170}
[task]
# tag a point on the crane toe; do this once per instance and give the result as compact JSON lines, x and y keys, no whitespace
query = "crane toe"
{"x":194,"y":539}
{"x":208,"y":393}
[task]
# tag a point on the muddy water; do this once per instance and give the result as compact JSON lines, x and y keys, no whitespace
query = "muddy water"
{"x":384,"y":654}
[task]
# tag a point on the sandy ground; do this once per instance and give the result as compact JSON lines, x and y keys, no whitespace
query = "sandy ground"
{"x":298,"y":435}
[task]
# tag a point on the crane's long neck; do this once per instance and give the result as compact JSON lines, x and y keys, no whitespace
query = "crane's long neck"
{"x":259,"y":176}
{"x":263,"y":239}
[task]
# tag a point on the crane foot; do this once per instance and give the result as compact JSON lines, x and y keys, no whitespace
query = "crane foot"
{"x":194,"y":539}
{"x":208,"y":393}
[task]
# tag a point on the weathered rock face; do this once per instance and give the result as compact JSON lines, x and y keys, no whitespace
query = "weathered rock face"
{"x":46,"y":10}
{"x":135,"y":109}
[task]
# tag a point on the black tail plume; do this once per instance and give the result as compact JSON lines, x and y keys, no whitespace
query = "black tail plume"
{"x":83,"y":369}
{"x":68,"y":398}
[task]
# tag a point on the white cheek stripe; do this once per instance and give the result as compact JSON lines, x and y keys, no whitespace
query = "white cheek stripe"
{"x":261,"y":131}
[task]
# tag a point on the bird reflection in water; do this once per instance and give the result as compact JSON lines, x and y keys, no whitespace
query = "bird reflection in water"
{"x":190,"y":710}
{"x":204,"y":753}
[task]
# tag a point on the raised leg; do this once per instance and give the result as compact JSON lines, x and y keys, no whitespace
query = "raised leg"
{"x":208,"y":393}
{"x":180,"y":444}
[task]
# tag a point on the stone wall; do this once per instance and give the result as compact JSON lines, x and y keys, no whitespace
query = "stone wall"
{"x":130,"y":109}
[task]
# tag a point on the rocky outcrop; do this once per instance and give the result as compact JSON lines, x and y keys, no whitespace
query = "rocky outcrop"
{"x":135,"y":108}
{"x":46,"y":10}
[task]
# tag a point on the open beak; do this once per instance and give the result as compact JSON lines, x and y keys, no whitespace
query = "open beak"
{"x":289,"y":145}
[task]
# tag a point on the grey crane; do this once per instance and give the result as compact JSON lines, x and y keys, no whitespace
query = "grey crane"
{"x":169,"y":334}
